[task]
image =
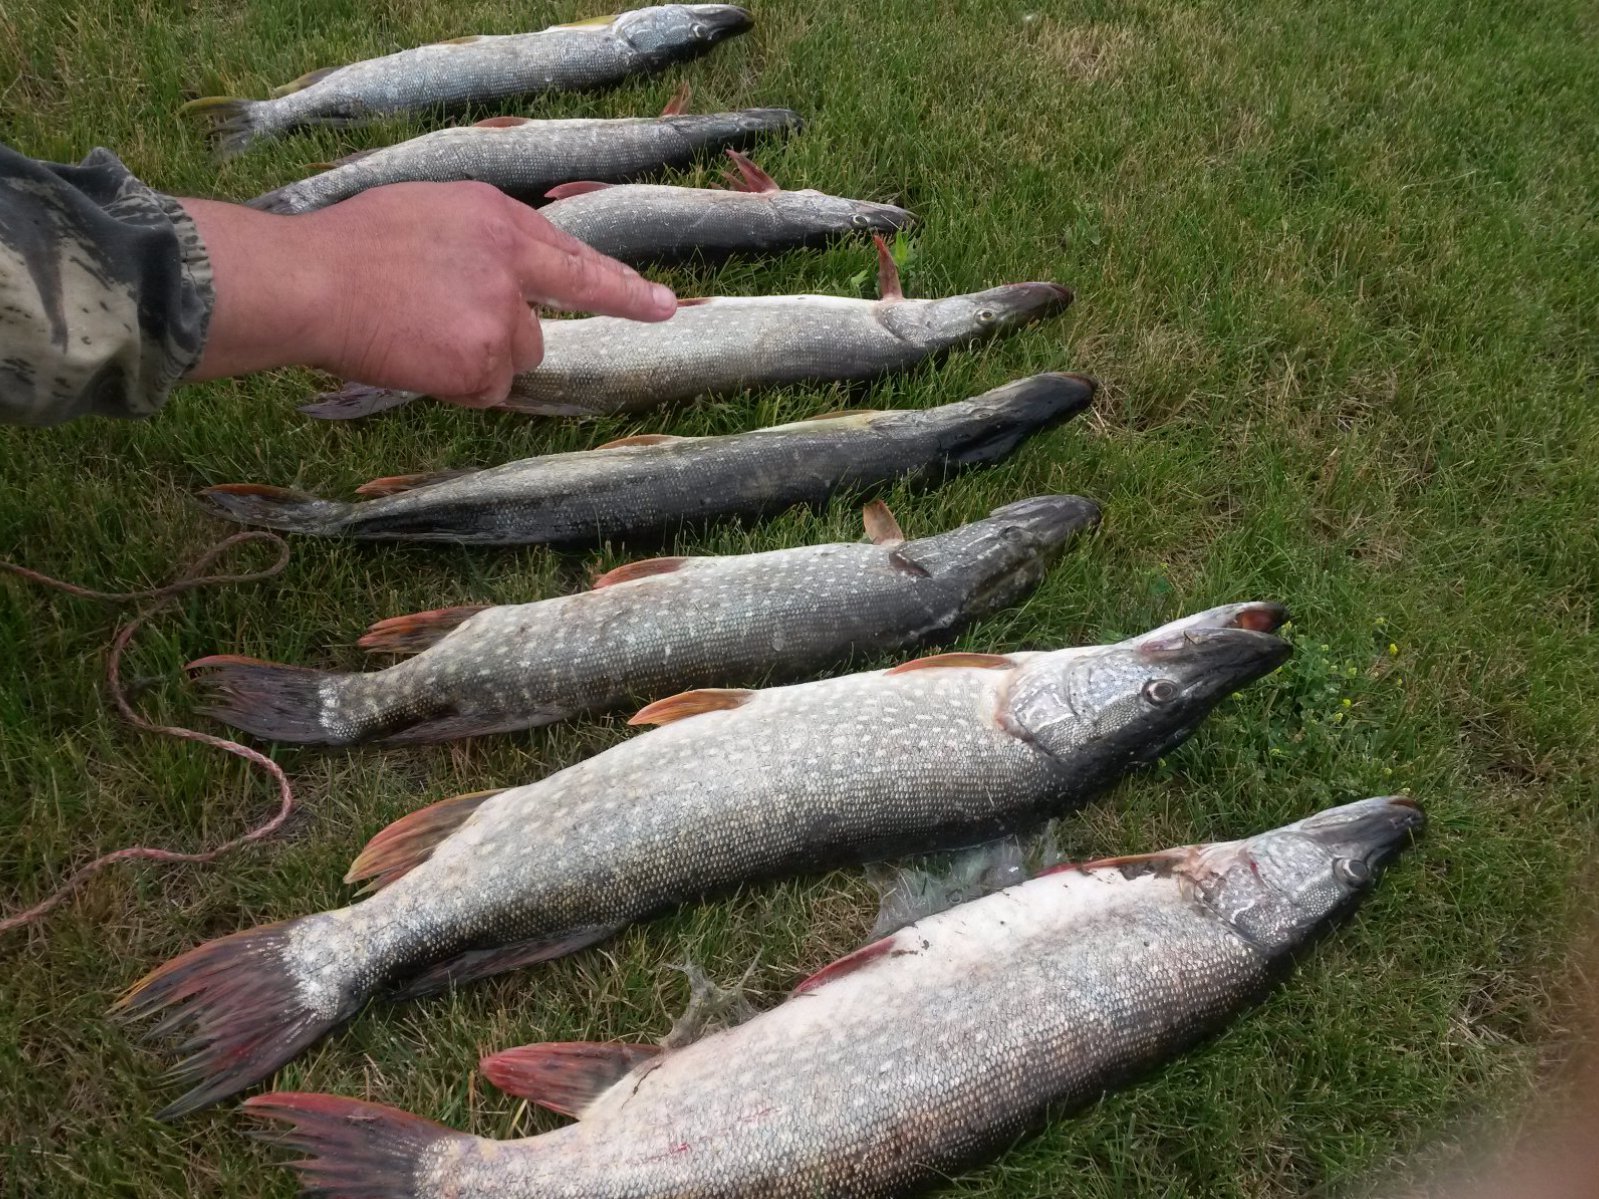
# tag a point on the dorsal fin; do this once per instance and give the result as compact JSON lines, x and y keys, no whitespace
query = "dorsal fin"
{"x":888,"y":285}
{"x":692,"y":301}
{"x":500,"y":122}
{"x":847,"y":964}
{"x":881,"y":527}
{"x":955,"y":660}
{"x":747,"y":177}
{"x":300,"y":84}
{"x":465,"y":40}
{"x":647,"y":568}
{"x":640,"y":439}
{"x":580,"y":187}
{"x":678,"y":104}
{"x":411,"y":840}
{"x":690,"y":703}
{"x":395,"y":484}
{"x":416,"y":631}
{"x":589,"y":22}
{"x":842,"y":412}
{"x":565,"y":1076}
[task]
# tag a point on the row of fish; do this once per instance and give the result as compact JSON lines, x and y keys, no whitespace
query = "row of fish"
{"x":921,"y":1052}
{"x":734,"y":786}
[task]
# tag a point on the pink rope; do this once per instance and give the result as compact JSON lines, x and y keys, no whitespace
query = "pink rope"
{"x":190,"y":579}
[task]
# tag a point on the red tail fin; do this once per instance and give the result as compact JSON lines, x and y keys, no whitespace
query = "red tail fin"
{"x":354,"y":1150}
{"x":238,"y":1001}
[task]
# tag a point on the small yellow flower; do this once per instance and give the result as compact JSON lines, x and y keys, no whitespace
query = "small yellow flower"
{"x":1348,"y":703}
{"x":1393,"y":650}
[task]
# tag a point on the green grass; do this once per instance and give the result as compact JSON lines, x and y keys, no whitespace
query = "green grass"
{"x":1337,"y":270}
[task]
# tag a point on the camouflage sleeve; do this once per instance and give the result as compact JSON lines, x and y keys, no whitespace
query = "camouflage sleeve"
{"x":105,"y":291}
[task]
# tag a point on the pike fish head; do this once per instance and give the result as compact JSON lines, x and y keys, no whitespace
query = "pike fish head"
{"x":1109,"y":707}
{"x":957,"y":320}
{"x":670,"y":33}
{"x":814,"y":213}
{"x":987,"y":428}
{"x":740,"y":128}
{"x":1280,"y":887}
{"x":997,"y":560}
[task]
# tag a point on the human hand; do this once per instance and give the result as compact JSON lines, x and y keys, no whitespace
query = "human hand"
{"x":419,"y":286}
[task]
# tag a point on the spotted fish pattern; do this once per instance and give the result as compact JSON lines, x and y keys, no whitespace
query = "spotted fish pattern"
{"x":651,"y":628}
{"x":912,"y":1057}
{"x":583,"y":56}
{"x":526,"y":158}
{"x":736,"y":786}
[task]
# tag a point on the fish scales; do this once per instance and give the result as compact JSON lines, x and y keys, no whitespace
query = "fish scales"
{"x":601,"y":365}
{"x":480,"y":69}
{"x":644,"y":222}
{"x":780,"y":781}
{"x":701,"y":621}
{"x":528,"y":158}
{"x":913,"y":1057}
{"x":588,"y":497}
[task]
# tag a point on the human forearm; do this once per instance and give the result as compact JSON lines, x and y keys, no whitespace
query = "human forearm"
{"x":422,"y":286}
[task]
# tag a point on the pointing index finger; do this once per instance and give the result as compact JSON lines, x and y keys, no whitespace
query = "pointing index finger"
{"x":558,"y":271}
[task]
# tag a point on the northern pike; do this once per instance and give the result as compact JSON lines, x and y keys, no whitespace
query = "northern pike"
{"x":650,"y":628}
{"x":653,"y":484}
{"x":526,"y":158}
{"x":911,"y":1058}
{"x":582,"y":56}
{"x":647,"y":222}
{"x":598,"y":365}
{"x":737,"y":786}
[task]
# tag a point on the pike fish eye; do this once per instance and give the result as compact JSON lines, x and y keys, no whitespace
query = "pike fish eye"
{"x":1160,"y":691}
{"x":859,"y":220}
{"x":697,"y":29}
{"x":1352,"y":871}
{"x":985,"y":315}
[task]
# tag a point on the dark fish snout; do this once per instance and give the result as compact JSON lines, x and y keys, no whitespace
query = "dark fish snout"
{"x":1029,"y":301}
{"x":1051,"y":519}
{"x":880,"y":218}
{"x":719,"y":21}
{"x":1220,"y":661}
{"x":1372,"y":831}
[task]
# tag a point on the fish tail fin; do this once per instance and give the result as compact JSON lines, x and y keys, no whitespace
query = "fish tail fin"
{"x":275,"y":507}
{"x":236,"y":1009}
{"x":356,"y":399}
{"x":270,"y":699}
{"x":353,"y":1149}
{"x":235,"y":123}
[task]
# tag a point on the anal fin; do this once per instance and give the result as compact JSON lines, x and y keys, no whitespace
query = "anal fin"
{"x":690,"y":703}
{"x":485,"y":963}
{"x":578,"y":187}
{"x":847,"y":964}
{"x":300,"y":84}
{"x":416,"y":631}
{"x":395,"y":484}
{"x":954,"y":661}
{"x":411,"y":840}
{"x":565,"y":1076}
{"x":641,"y":439}
{"x":648,"y":568}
